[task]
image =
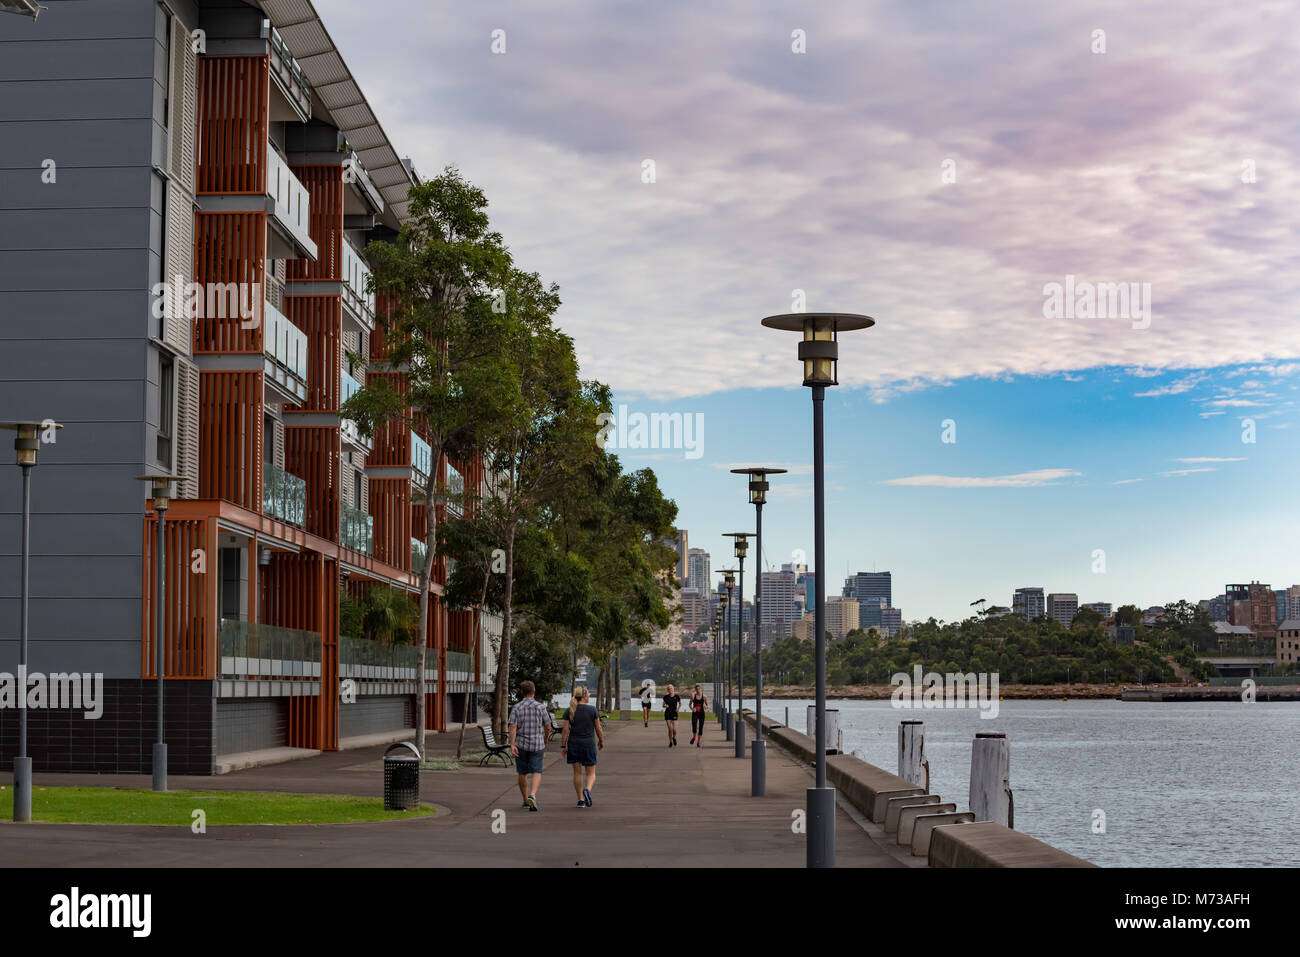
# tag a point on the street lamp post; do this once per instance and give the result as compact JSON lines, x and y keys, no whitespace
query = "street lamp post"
{"x":161,"y":494}
{"x":819,"y":352}
{"x":724,"y":600}
{"x":742,"y":546}
{"x":718,"y":708}
{"x":26,"y":444}
{"x":758,"y":486}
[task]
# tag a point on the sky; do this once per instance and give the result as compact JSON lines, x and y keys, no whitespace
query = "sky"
{"x":950,"y":169}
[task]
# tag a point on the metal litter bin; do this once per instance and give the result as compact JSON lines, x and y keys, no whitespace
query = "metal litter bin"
{"x":401,"y":777}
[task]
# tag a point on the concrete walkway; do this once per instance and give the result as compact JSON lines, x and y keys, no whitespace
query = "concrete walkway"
{"x":654,"y":807}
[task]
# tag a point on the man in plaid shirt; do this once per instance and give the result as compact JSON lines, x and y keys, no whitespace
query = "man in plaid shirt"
{"x":530,"y":726}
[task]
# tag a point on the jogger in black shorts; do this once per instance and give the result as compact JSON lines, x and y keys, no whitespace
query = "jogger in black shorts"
{"x":699,"y":705}
{"x":672,"y":701}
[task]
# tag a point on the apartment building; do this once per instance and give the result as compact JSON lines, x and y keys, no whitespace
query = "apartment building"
{"x":1100,"y":607}
{"x":187,"y":191}
{"x":778,"y":603}
{"x":698,"y":574}
{"x":841,"y":616}
{"x":1062,"y":607}
{"x":1029,"y":603}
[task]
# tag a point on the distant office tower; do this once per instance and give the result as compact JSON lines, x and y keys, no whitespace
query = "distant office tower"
{"x":1061,"y":607}
{"x":680,"y":543}
{"x":891,"y":622}
{"x":870,"y":615}
{"x":803,"y":628}
{"x":1293,"y":602}
{"x":1029,"y":603}
{"x":870,"y":586}
{"x":841,"y":616}
{"x":1280,"y":597}
{"x":695,"y":610}
{"x":808,"y":580}
{"x":1216,"y":608}
{"x":697,"y":570}
{"x":1100,"y":607}
{"x":1255,"y":607}
{"x":778,"y":603}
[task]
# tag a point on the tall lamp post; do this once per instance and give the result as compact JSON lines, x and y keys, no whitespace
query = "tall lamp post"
{"x":718,"y":709}
{"x":26,"y":444}
{"x":819,"y":352}
{"x":161,"y":494}
{"x":742,"y":547}
{"x":758,"y":487}
{"x":724,"y":602}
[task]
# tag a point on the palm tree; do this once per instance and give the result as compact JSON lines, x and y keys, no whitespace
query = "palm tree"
{"x":389,"y":616}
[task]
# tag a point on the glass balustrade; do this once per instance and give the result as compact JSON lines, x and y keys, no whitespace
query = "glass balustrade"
{"x":357,"y":530}
{"x":284,"y":495}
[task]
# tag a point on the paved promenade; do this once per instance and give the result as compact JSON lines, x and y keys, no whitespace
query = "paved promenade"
{"x":654,"y":807}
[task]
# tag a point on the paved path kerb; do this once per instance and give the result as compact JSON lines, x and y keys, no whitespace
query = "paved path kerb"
{"x":655,"y":806}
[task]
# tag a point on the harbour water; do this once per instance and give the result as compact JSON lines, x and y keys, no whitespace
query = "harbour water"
{"x":1181,"y":785}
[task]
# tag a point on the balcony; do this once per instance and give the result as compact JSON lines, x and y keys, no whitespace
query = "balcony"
{"x":421,"y":460}
{"x":284,"y":495}
{"x":265,"y":660}
{"x":290,"y":82}
{"x":357,"y":530}
{"x":418,"y":551}
{"x":358,"y":301}
{"x":455,"y":492}
{"x":351,"y":434}
{"x":284,"y":350}
{"x":290,"y":208}
{"x":378,"y":668}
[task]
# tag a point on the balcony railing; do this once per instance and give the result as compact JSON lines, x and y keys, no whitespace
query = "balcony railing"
{"x":286,"y":70}
{"x":292,"y":201}
{"x":421,"y":458}
{"x":257,"y":652}
{"x":356,"y":276}
{"x":357,"y":530}
{"x":284,"y":495}
{"x":455,"y":491}
{"x":459,"y":664}
{"x":370,"y":663}
{"x":351,"y":434}
{"x":418,"y":551}
{"x":284,"y":347}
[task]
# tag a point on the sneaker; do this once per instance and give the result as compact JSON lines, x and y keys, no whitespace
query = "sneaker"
{"x":698,"y":745}
{"x":586,"y":796}
{"x":582,"y":804}
{"x":532,"y":803}
{"x":524,"y":806}
{"x":692,"y":739}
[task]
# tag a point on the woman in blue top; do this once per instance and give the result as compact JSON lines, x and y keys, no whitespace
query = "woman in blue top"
{"x":582,"y":738}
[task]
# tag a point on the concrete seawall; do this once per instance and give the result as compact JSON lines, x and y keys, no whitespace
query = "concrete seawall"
{"x":945,"y":839}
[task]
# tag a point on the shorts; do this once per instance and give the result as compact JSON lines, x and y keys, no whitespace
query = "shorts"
{"x":670,"y":715}
{"x":529,"y":762}
{"x":584,"y":754}
{"x":645,"y":705}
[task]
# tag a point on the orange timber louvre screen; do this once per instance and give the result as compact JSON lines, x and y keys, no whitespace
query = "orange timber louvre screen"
{"x":190,"y":644}
{"x":325,"y":186}
{"x":230,"y":435}
{"x":312,"y":453}
{"x":230,"y":266}
{"x":321,"y":317}
{"x":233,"y":101}
{"x":390,"y":506}
{"x":302,"y":591}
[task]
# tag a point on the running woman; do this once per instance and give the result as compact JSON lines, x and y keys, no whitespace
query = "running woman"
{"x":672,"y":701}
{"x":647,"y":696}
{"x":699,"y":705}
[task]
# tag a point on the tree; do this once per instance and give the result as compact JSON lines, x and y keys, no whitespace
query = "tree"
{"x":1128,"y":615}
{"x":436,"y":284}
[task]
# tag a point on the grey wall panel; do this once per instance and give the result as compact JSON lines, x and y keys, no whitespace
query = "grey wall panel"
{"x":251,"y":724}
{"x":66,"y":229}
{"x":118,"y":658}
{"x":56,"y":534}
{"x":84,"y":19}
{"x":79,"y":619}
{"x":74,"y":187}
{"x":121,"y":401}
{"x":76,"y":314}
{"x":50,"y":100}
{"x":56,"y":270}
{"x":86,"y":576}
{"x":77,"y":143}
{"x":65,"y":360}
{"x":95,"y":59}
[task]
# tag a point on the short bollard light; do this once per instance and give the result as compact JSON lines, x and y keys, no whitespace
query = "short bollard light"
{"x":401,"y":777}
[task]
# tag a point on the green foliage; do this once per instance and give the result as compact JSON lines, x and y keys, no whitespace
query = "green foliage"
{"x":541,"y":655}
{"x":389,"y":616}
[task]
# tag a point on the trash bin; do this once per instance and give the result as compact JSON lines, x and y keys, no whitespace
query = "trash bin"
{"x":401,"y":778}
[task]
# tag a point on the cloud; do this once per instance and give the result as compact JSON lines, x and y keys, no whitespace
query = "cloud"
{"x":1020,"y":480}
{"x":1233,"y":403}
{"x":1194,"y":461}
{"x":1127,"y":481}
{"x":778,"y":171}
{"x":1187,"y":471}
{"x":1178,"y":387}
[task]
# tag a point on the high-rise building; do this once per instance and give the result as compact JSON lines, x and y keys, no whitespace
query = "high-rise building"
{"x":1100,"y":607}
{"x":253,"y":184}
{"x":778,"y":603}
{"x":870,"y":586}
{"x":870,"y":615}
{"x":1292,"y":603}
{"x":1029,"y":603}
{"x":1255,"y":607}
{"x":695,"y":610}
{"x":1216,"y":608}
{"x":679,"y":542}
{"x":841,"y":616}
{"x":1061,"y":607}
{"x":698,"y":574}
{"x":891,"y":621}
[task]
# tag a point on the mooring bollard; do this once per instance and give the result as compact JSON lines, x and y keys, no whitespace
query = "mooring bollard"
{"x":990,"y":779}
{"x":833,"y":739}
{"x":912,"y":763}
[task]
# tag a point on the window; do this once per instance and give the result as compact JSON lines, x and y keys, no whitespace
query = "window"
{"x":166,"y":409}
{"x":356,"y":490}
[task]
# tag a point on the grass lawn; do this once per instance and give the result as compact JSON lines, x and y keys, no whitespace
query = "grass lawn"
{"x":77,"y":805}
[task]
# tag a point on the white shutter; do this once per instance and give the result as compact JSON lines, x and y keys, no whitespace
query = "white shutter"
{"x":184,"y":100}
{"x":187,"y":429}
{"x":180,"y":268}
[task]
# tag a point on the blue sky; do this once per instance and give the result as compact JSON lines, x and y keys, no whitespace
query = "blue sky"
{"x":937,"y":166}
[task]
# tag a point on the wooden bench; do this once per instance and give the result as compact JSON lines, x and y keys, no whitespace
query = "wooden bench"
{"x":494,"y":750}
